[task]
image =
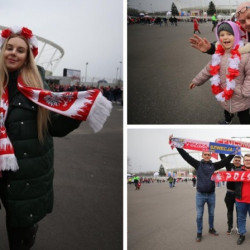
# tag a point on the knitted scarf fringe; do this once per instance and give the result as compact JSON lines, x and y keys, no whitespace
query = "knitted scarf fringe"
{"x":8,"y":162}
{"x":99,"y":113}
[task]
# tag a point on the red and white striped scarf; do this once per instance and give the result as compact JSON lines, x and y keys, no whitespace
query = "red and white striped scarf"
{"x":90,"y":106}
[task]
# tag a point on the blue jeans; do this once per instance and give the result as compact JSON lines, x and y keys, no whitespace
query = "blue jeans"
{"x":201,"y":199}
{"x":242,"y":209}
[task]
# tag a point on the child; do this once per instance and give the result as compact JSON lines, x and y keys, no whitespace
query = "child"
{"x":229,"y":72}
{"x":196,"y":25}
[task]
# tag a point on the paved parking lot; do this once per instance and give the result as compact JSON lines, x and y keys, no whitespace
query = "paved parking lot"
{"x":163,"y":218}
{"x":88,"y":191}
{"x":161,"y":65}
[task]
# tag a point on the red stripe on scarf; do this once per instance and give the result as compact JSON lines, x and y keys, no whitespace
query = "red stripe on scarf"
{"x":62,"y":101}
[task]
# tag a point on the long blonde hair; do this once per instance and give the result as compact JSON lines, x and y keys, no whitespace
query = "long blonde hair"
{"x":31,"y":77}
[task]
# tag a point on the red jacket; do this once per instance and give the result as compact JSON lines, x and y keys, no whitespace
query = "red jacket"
{"x":196,"y":25}
{"x":242,"y":190}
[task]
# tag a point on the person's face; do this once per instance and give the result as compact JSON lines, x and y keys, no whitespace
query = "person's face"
{"x":237,"y":162}
{"x":247,"y":161}
{"x":244,"y":19}
{"x":226,"y":39}
{"x":206,"y":156}
{"x":15,"y":54}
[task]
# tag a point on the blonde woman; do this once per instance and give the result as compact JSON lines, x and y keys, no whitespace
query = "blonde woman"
{"x":27,"y":126}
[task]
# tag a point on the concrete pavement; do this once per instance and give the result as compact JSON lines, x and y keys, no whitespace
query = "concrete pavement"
{"x":88,"y":191}
{"x":163,"y":218}
{"x":161,"y":65}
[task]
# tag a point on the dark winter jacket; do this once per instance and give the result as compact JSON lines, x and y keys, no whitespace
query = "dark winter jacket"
{"x":211,"y":51}
{"x":230,"y":167}
{"x":204,"y":170}
{"x":27,"y":194}
{"x":238,"y":185}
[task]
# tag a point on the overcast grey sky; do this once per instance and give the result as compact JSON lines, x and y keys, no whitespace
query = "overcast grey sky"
{"x":88,"y":31}
{"x":146,"y":145}
{"x":162,"y":5}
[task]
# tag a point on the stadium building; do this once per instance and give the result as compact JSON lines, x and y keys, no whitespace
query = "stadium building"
{"x":222,"y":11}
{"x":49,"y":54}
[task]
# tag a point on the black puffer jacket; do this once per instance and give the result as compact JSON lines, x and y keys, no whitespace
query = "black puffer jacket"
{"x":27,"y":194}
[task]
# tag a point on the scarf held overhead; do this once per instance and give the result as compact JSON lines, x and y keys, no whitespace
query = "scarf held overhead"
{"x":213,"y":147}
{"x":242,"y":144}
{"x":90,"y":106}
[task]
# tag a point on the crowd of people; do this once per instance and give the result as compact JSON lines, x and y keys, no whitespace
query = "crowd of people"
{"x":172,"y":20}
{"x":229,"y":72}
{"x":169,"y":179}
{"x":142,"y":179}
{"x":238,"y":193}
{"x":28,"y":125}
{"x":113,"y":94}
{"x":153,"y":20}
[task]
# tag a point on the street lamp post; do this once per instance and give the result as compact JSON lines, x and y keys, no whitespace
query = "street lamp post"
{"x":120,"y":70}
{"x":86,"y":72}
{"x":116,"y":74}
{"x":203,"y":9}
{"x":230,"y":7}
